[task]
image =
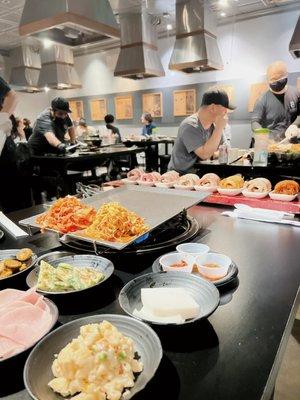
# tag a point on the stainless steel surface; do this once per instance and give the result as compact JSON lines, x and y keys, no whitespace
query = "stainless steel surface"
{"x":58,"y":70}
{"x":37,"y":371}
{"x":155,"y":205}
{"x":203,"y":292}
{"x":294,"y":46}
{"x":25,"y":68}
{"x":231,"y":274}
{"x":100,"y":264}
{"x":11,"y":253}
{"x":54,"y":314}
{"x":196,"y":48}
{"x":69,"y":22}
{"x":139,"y":57}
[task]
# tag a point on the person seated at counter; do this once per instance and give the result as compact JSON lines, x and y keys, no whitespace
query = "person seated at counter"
{"x":200,"y":134}
{"x":51,"y":127}
{"x":277,"y":109}
{"x":17,"y":132}
{"x":27,"y":128}
{"x":109,"y":120}
{"x":82,"y":129}
{"x":149,"y":126}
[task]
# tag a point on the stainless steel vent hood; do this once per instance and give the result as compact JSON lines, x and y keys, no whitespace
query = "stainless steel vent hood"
{"x":196,"y":47}
{"x":25,"y":68}
{"x":139,"y":56}
{"x":58,"y":70}
{"x":69,"y":22}
{"x":294,"y":46}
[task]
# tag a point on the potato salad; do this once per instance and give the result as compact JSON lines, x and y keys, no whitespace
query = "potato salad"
{"x":99,"y":364}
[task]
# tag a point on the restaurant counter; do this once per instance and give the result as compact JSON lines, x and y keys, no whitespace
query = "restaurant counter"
{"x":236,"y":352}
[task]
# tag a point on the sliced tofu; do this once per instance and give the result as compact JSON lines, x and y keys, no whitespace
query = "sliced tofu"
{"x":166,"y":302}
{"x":148,"y":315}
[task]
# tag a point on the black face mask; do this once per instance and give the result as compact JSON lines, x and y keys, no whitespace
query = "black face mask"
{"x":278,"y":86}
{"x":59,"y":120}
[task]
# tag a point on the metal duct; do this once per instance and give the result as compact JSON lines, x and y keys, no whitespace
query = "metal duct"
{"x":196,"y":47}
{"x":139,"y":56}
{"x":69,"y":22}
{"x":25,"y":68}
{"x":294,"y":46}
{"x":58,"y":70}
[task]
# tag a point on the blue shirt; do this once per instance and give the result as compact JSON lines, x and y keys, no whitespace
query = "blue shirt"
{"x":147,"y":129}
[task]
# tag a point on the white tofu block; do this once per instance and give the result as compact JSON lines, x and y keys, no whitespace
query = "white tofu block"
{"x":166,"y":302}
{"x":147,"y":314}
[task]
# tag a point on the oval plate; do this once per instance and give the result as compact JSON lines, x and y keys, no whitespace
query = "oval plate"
{"x":232,"y":273}
{"x":99,"y":263}
{"x":54,"y":313}
{"x":203,"y":292}
{"x":37,"y":371}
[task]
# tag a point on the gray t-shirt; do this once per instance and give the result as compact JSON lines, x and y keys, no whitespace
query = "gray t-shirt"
{"x":277,"y":115}
{"x":191,"y":136}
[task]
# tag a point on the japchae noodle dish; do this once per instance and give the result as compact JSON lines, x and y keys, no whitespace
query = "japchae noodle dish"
{"x":114,"y":223}
{"x":287,"y":187}
{"x":232,"y":182}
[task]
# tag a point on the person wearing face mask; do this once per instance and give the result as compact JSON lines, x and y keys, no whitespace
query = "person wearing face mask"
{"x":51,"y":127}
{"x":278,"y":108}
{"x":200,"y":134}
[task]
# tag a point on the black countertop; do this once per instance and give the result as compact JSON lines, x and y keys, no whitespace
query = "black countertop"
{"x":236,"y":353}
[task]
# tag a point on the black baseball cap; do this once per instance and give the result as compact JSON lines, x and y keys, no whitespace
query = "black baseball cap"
{"x":60,"y":104}
{"x":216,"y":96}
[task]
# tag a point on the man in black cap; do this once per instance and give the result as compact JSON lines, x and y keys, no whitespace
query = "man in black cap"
{"x":51,"y":127}
{"x":200,"y":134}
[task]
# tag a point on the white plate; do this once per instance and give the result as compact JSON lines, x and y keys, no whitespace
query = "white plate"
{"x":164,"y":185}
{"x":255,"y":195}
{"x":209,"y":189}
{"x":229,"y":192}
{"x":282,"y":197}
{"x":129,"y":182}
{"x":144,"y":183}
{"x":183,"y":187}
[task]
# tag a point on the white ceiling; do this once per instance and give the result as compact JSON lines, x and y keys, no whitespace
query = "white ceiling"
{"x":11,"y":11}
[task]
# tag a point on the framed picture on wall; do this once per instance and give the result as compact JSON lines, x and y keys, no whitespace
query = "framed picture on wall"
{"x":229,"y":89}
{"x":124,"y":107}
{"x":152,"y":103}
{"x":98,"y":109}
{"x":256,"y":90}
{"x":184,"y":102}
{"x":76,"y":106}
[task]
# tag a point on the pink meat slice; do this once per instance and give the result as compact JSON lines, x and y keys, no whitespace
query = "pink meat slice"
{"x":134,"y":174}
{"x":25,"y":325}
{"x":9,"y":295}
{"x":8,"y":347}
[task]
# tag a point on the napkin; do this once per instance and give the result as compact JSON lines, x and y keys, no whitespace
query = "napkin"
{"x":11,"y":227}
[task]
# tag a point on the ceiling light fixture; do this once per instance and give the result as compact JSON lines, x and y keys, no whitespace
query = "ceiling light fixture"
{"x":223,"y":14}
{"x":46,"y":89}
{"x":169,"y":27}
{"x":223,"y":3}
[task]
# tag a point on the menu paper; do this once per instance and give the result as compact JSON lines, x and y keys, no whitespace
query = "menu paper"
{"x":11,"y":227}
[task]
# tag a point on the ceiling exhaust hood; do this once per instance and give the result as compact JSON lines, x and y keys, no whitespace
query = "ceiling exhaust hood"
{"x":25,"y":68}
{"x":69,"y":22}
{"x":294,"y":46}
{"x":196,"y":47}
{"x":139,"y":56}
{"x":58,"y":70}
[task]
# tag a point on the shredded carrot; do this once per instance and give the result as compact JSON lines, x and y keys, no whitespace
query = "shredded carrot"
{"x":67,"y":214}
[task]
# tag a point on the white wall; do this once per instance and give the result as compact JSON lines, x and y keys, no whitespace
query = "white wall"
{"x":247,"y":47}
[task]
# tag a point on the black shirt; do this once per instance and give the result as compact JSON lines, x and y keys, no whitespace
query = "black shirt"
{"x":47,"y":123}
{"x":280,"y":97}
{"x":114,"y":130}
{"x":28,"y":132}
{"x":4,"y":89}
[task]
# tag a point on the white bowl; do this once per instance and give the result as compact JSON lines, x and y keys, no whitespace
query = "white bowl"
{"x":254,"y":195}
{"x":192,"y":249}
{"x":182,"y":187}
{"x":164,"y":185}
{"x":282,"y":197}
{"x":229,"y":192}
{"x":129,"y":182}
{"x":168,"y":259}
{"x":213,"y":273}
{"x":144,"y":183}
{"x":208,"y":189}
